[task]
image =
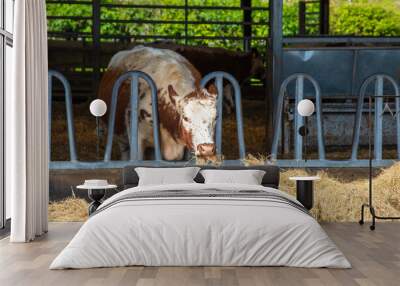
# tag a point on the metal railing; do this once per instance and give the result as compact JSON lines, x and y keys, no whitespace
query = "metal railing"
{"x":134,"y":77}
{"x":69,"y":112}
{"x":379,"y":80}
{"x":299,"y":120}
{"x":218,"y":78}
{"x":377,"y":160}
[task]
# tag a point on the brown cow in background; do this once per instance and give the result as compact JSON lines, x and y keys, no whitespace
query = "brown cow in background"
{"x":241,"y":65}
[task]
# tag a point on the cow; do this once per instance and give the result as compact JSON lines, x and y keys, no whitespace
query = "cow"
{"x":187,"y":112}
{"x":241,"y":65}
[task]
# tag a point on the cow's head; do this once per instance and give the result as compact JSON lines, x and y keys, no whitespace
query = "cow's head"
{"x":197,"y":112}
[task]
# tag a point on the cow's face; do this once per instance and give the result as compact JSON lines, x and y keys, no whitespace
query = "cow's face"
{"x":198,"y":114}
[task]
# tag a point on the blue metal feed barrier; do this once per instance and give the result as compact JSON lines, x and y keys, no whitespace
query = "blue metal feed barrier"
{"x":379,"y":80}
{"x":134,"y":77}
{"x":70,"y":115}
{"x":353,"y":161}
{"x":299,"y":120}
{"x":218,"y":77}
{"x":306,"y":85}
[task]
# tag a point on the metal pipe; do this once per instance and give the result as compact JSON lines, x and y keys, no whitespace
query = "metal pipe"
{"x":134,"y":101}
{"x":378,"y":118}
{"x":69,"y":111}
{"x":67,"y":165}
{"x":299,"y":77}
{"x":298,"y":119}
{"x":134,"y":76}
{"x":218,"y":77}
{"x":378,"y":95}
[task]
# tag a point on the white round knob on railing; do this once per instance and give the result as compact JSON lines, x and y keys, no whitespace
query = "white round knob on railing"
{"x":98,"y":107}
{"x":305,"y":107}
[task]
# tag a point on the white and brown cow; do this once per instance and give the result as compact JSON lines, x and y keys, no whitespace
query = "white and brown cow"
{"x":187,"y":113}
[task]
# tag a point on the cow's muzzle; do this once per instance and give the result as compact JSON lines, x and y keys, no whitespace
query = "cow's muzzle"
{"x":205,"y":150}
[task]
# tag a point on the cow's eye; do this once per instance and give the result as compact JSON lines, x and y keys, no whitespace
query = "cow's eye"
{"x":185,"y":118}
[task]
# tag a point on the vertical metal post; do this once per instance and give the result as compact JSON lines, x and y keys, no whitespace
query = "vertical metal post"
{"x":247,"y":19}
{"x":134,"y":100}
{"x":97,"y":138}
{"x":298,"y":119}
{"x":218,"y":127}
{"x":378,"y":118}
{"x":69,"y":112}
{"x":96,"y":43}
{"x":324,"y":17}
{"x":370,"y":149}
{"x":218,"y":78}
{"x":305,"y":139}
{"x":302,"y":18}
{"x":275,"y":63}
{"x":299,"y":94}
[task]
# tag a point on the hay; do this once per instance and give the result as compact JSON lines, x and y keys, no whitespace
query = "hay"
{"x":258,"y":159}
{"x":216,"y":160}
{"x":69,"y":209}
{"x":340,"y":201}
{"x":336,"y":199}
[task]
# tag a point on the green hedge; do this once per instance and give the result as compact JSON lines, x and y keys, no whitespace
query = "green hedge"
{"x":361,"y":18}
{"x":366,"y":19}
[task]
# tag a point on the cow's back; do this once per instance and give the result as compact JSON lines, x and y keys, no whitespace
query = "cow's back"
{"x":165,"y":67}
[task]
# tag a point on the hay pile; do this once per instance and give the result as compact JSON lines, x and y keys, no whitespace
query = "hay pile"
{"x":69,"y":209}
{"x":340,"y":201}
{"x":336,"y":198}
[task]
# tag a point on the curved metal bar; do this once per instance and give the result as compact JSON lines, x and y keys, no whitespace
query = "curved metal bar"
{"x":379,"y":81}
{"x":69,"y":110}
{"x":219,"y":76}
{"x":134,"y":76}
{"x":299,"y":77}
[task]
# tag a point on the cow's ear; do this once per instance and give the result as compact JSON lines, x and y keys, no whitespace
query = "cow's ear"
{"x":212,"y":89}
{"x":172,"y":94}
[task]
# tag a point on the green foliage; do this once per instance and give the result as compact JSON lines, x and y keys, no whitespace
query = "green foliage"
{"x":365,"y":19}
{"x":362,"y":17}
{"x":66,"y":25}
